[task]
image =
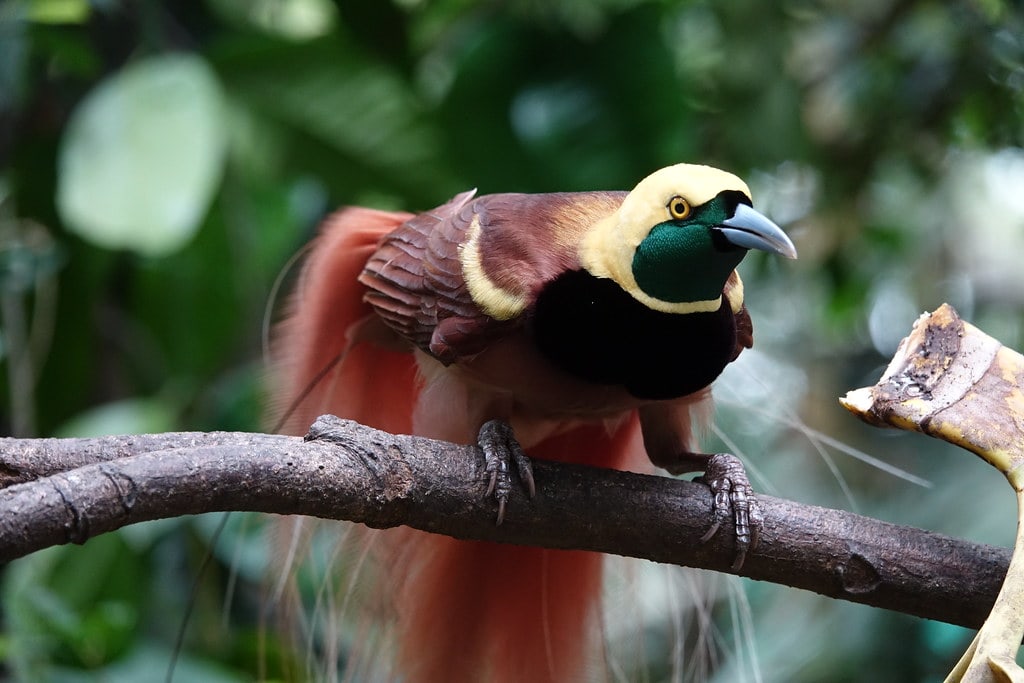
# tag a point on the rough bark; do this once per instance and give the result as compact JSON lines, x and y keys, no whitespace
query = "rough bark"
{"x":74,"y":489}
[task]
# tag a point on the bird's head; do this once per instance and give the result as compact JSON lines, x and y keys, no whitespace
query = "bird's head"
{"x":677,"y":237}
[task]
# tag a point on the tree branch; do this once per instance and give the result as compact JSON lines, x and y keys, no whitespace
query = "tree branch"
{"x":952,"y":381}
{"x":73,"y":489}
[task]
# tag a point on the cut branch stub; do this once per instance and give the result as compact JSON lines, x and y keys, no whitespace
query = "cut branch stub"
{"x":952,"y":381}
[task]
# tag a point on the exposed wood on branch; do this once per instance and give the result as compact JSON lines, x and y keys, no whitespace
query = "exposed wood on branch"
{"x":952,"y":381}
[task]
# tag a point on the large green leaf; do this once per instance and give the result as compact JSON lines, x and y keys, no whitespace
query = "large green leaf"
{"x":58,"y":11}
{"x":142,"y":156}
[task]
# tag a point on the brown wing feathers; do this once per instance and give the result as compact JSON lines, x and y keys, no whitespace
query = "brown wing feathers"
{"x":415,"y":272}
{"x":529,"y":239}
{"x":415,"y":279}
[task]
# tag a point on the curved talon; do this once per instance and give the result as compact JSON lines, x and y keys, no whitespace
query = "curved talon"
{"x":733,"y":501}
{"x":500,"y":448}
{"x":711,"y":532}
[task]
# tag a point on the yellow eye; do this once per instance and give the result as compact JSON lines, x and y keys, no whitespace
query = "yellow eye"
{"x":679,"y":208}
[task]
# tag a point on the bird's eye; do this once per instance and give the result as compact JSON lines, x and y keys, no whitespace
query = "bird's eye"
{"x":679,"y":208}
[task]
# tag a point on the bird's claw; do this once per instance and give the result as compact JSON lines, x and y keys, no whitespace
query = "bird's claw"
{"x":733,"y":502}
{"x":502,"y":450}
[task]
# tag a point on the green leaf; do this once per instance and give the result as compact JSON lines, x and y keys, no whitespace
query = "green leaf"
{"x":296,"y":20}
{"x":129,"y":416}
{"x":58,"y":11}
{"x":78,"y":607}
{"x":142,"y":156}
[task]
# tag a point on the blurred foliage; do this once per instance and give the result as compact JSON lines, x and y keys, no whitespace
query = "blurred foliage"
{"x":160,"y":162}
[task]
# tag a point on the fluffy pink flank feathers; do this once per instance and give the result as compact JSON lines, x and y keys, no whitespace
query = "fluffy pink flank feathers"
{"x":372,"y":385}
{"x":472,"y":611}
{"x":463,"y":611}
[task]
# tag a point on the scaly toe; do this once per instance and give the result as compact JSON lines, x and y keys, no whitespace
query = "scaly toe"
{"x":501,"y":449}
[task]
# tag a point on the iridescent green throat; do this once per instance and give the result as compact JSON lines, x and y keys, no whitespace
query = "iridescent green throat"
{"x":681,"y":261}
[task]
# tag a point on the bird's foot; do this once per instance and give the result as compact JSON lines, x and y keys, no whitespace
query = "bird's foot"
{"x":734,"y":502}
{"x":501,"y":451}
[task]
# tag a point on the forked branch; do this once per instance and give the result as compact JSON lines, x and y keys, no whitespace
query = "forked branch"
{"x":69,"y":490}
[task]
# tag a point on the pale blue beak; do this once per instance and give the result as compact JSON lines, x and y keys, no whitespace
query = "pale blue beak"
{"x":752,"y":230}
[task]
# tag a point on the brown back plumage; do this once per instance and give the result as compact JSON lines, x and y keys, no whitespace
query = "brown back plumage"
{"x":415,"y":280}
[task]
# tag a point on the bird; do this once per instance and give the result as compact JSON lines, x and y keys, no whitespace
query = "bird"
{"x":583,"y":326}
